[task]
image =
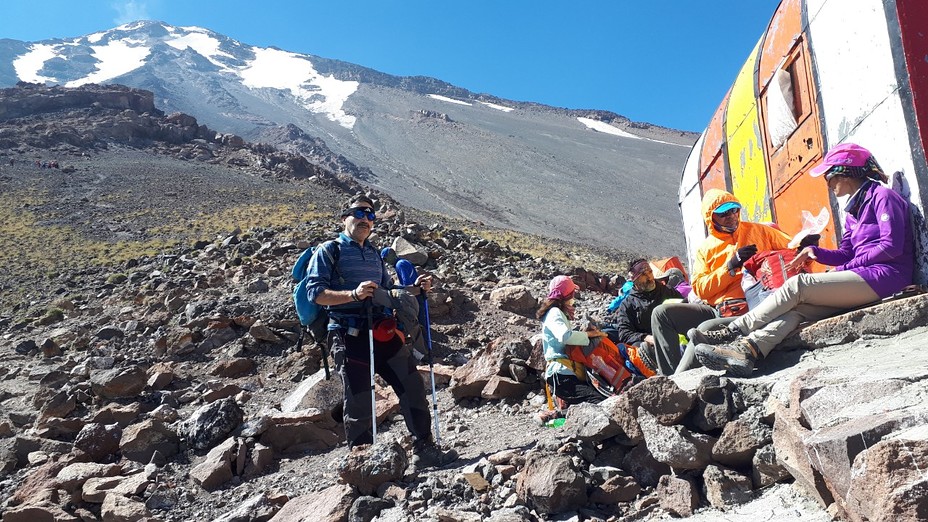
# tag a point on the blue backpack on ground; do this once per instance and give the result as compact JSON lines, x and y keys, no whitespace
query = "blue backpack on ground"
{"x":313,"y":318}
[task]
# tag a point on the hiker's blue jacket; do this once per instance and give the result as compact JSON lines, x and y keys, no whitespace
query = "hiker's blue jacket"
{"x":356,"y":263}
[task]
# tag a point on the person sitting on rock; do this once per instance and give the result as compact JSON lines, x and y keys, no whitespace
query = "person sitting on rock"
{"x":631,"y":323}
{"x":565,"y":379}
{"x":360,"y":271}
{"x":874,"y":260}
{"x":716,"y":274}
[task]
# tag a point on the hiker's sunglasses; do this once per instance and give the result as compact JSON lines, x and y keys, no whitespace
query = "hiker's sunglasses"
{"x":729,"y":212}
{"x":360,"y":213}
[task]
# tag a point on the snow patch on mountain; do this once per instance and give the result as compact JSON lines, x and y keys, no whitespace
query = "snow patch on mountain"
{"x":276,"y":69}
{"x":449,"y":100}
{"x":498,"y":107}
{"x":116,"y":58}
{"x":27,"y":66}
{"x":202,"y":43}
{"x":601,"y":126}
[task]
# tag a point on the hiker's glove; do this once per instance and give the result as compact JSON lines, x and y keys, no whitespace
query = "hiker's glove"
{"x":741,"y":255}
{"x":810,"y":240}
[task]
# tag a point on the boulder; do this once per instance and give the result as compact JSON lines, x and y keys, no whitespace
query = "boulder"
{"x":678,"y":496}
{"x":725,"y":487}
{"x":889,"y":481}
{"x":212,"y":423}
{"x":329,"y":505}
{"x":515,"y":298}
{"x":550,"y":484}
{"x":675,"y":446}
{"x":218,"y":466}
{"x":140,"y":441}
{"x":98,"y":441}
{"x":406,"y":250}
{"x":739,"y":441}
{"x":367,"y":467}
{"x":118,"y":383}
{"x":659,"y":396}
{"x":591,"y":423}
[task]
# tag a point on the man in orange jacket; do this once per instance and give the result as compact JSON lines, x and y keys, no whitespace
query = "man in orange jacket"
{"x":716,"y":274}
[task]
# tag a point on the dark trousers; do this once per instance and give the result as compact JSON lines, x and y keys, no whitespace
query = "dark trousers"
{"x":572,"y":390}
{"x":394,"y":362}
{"x":668,"y":322}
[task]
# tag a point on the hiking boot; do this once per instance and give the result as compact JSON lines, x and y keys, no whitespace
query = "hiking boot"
{"x":646,"y":352}
{"x":427,"y":454}
{"x":736,"y":358}
{"x":719,"y":336}
{"x":547,"y":416}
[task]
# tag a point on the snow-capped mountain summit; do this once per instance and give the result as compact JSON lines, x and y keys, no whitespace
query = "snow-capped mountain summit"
{"x":428,"y":143}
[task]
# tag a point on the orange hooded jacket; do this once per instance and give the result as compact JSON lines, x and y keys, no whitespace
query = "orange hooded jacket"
{"x":711,"y":280}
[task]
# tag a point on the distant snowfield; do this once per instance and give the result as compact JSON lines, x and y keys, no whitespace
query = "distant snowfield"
{"x":202,"y":43}
{"x":27,"y":66}
{"x":271,"y":68}
{"x":498,"y":107}
{"x":601,"y":126}
{"x":277,"y":69}
{"x":449,"y":100}
{"x":116,"y":58}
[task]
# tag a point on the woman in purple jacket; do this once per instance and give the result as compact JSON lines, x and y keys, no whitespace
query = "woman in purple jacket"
{"x":874,"y":260}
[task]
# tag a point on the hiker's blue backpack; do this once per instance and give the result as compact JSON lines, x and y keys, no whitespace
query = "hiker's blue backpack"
{"x":313,"y":318}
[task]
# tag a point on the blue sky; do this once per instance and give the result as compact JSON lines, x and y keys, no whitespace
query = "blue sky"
{"x":665,"y":62}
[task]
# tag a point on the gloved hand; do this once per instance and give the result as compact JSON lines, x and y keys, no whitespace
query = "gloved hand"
{"x":810,"y":240}
{"x":741,"y":255}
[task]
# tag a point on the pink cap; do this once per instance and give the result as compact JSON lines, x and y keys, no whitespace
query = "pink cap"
{"x":561,"y":287}
{"x":843,"y":155}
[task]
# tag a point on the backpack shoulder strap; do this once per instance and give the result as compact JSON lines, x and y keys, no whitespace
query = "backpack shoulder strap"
{"x":332,"y":251}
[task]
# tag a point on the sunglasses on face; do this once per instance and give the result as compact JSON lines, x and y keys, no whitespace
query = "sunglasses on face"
{"x":361,"y":213}
{"x":729,"y":212}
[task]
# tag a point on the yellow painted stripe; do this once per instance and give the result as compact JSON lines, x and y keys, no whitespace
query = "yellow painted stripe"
{"x":746,"y":160}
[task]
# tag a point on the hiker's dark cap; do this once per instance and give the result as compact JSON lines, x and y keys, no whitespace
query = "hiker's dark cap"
{"x":355,"y":200}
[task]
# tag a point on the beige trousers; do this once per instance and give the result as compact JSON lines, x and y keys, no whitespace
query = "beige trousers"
{"x":804,"y":297}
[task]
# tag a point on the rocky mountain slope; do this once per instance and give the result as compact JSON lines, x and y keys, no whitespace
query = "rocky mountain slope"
{"x":426,"y":143}
{"x":150,"y":371}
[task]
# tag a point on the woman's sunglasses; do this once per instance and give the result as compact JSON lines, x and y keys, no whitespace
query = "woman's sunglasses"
{"x":360,"y":213}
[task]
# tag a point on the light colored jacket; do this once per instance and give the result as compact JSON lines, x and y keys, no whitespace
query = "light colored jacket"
{"x":557,"y":334}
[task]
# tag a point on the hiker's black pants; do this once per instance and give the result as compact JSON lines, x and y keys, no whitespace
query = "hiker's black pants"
{"x":572,"y":390}
{"x":394,"y":362}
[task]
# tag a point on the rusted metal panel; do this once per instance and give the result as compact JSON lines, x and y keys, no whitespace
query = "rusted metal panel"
{"x":714,"y":135}
{"x":784,"y":29}
{"x":804,"y":193}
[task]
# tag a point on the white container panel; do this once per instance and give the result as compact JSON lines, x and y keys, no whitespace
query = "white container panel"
{"x":853,"y":62}
{"x":690,"y":200}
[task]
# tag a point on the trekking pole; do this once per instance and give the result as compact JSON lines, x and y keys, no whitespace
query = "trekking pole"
{"x":428,"y":339}
{"x":370,"y":335}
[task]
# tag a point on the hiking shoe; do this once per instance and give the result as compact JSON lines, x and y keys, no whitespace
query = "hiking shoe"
{"x":428,"y":454}
{"x":719,"y":336}
{"x":647,"y":356}
{"x":736,"y":358}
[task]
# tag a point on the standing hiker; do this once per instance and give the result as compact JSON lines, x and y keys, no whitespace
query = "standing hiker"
{"x":346,"y":297}
{"x":874,"y":260}
{"x":716,"y":275}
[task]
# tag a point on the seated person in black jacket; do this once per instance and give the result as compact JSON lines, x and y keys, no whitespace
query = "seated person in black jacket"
{"x":632,"y":321}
